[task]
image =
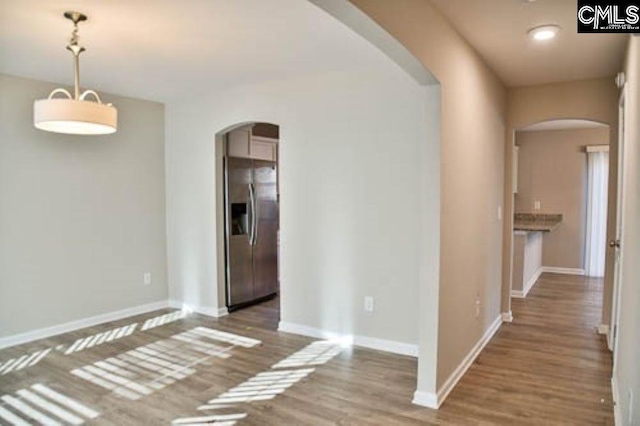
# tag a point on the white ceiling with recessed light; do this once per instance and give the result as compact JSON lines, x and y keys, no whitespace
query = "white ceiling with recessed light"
{"x":498,"y":30}
{"x":167,"y":49}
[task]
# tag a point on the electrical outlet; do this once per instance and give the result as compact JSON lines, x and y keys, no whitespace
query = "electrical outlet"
{"x":536,"y":205}
{"x":368,"y":304}
{"x":477,"y":305}
{"x":499,"y":213}
{"x":146,"y":279}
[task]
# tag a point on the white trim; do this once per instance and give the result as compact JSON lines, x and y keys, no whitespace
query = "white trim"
{"x":564,"y":271}
{"x":43,"y":333}
{"x":458,"y":373}
{"x":603,"y":329}
{"x":202,"y":310}
{"x":426,"y":399}
{"x":532,"y":281}
{"x":597,"y":148}
{"x":316,"y":333}
{"x":391,"y":346}
{"x":175,"y":304}
{"x":507,"y":316}
{"x":617,"y":415}
{"x":528,"y":286}
{"x":517,"y":294}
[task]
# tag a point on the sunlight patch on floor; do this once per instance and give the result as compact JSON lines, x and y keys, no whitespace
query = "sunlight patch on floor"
{"x":24,"y":361}
{"x":217,"y":420}
{"x":262,"y":386}
{"x":141,"y":371}
{"x":164,"y":319}
{"x":29,"y":360}
{"x":222,"y":336}
{"x":100,"y":338}
{"x":316,"y":353}
{"x":42,"y":405}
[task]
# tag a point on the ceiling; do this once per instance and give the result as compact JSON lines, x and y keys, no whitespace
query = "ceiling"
{"x":497,"y":29}
{"x":563,"y":124}
{"x":167,"y":49}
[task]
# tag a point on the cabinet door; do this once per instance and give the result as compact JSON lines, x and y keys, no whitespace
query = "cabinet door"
{"x":263,"y":149}
{"x":238,"y":143}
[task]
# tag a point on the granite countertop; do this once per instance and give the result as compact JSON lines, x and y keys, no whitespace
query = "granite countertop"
{"x":536,"y":222}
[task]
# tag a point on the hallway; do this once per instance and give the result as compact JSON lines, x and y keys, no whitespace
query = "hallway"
{"x":548,"y":366}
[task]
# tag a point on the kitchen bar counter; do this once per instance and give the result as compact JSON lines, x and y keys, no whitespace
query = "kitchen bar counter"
{"x":527,"y":248}
{"x":536,"y":222}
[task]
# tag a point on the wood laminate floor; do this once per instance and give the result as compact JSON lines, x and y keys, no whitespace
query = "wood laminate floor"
{"x":548,"y":367}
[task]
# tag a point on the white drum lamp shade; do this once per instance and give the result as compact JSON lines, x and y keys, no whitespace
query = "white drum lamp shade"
{"x":75,"y":115}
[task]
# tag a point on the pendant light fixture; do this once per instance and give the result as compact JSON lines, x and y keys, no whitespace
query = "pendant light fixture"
{"x":76,"y":115}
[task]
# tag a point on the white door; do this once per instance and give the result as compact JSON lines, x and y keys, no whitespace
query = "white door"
{"x":617,"y":243}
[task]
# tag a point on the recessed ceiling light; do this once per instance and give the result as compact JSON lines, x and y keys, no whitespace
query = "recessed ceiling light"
{"x":544,"y":32}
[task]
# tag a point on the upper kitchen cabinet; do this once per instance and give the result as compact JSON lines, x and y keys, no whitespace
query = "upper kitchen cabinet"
{"x":244,"y":143}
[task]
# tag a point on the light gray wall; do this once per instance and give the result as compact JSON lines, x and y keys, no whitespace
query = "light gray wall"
{"x":472,"y":178}
{"x":350,"y":182}
{"x":627,"y":369}
{"x":81,"y":218}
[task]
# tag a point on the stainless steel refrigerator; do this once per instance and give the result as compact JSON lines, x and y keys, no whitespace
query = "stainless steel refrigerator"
{"x":251,"y":217}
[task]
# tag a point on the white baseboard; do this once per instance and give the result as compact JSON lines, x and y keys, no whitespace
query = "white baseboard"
{"x":175,"y":304}
{"x":603,"y":329}
{"x":426,"y":399}
{"x":454,"y":378}
{"x":507,"y":316}
{"x":391,"y":346}
{"x":386,"y":345}
{"x":617,"y":415}
{"x":43,"y":333}
{"x":564,"y":271}
{"x":316,"y":333}
{"x":529,"y":285}
{"x":518,"y":294}
{"x":203,"y":310}
{"x":521,"y":294}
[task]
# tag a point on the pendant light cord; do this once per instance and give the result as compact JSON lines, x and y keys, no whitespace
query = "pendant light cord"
{"x":76,"y":50}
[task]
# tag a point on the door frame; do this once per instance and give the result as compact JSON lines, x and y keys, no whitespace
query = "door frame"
{"x":220,"y":235}
{"x":612,"y":340}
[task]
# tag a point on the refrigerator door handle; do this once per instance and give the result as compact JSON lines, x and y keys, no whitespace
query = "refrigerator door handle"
{"x":252,"y":198}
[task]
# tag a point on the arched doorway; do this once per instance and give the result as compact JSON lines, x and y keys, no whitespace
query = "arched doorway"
{"x":247,"y":202}
{"x":560,"y":202}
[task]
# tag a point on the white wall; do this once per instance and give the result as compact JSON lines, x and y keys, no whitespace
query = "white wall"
{"x":350,"y":196}
{"x":627,"y":369}
{"x":81,"y":218}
